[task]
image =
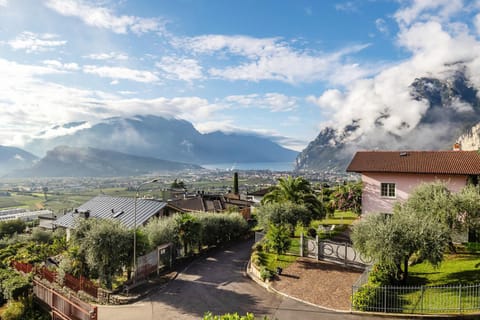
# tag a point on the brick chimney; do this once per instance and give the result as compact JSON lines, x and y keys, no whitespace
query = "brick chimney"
{"x":457,"y":147}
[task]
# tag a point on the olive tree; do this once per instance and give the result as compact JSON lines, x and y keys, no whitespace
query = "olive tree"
{"x":392,"y":240}
{"x":106,"y":246}
{"x":283,"y":213}
{"x":467,"y":202}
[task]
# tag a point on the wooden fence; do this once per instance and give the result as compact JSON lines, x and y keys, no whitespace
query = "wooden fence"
{"x":62,"y":307}
{"x":69,"y":281}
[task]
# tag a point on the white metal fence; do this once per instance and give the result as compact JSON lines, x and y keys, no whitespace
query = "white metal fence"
{"x":154,"y":261}
{"x":417,"y":299}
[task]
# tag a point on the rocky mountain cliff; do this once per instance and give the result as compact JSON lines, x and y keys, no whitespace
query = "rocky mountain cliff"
{"x":65,"y":161}
{"x":169,"y":139}
{"x":452,"y":106}
{"x":471,"y":139}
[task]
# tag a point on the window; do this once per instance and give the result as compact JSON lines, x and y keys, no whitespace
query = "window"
{"x":387,"y":190}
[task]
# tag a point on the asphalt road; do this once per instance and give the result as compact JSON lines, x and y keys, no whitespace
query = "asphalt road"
{"x":218,"y":283}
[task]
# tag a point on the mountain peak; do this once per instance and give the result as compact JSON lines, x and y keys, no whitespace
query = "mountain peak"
{"x":170,"y":139}
{"x":452,"y":105}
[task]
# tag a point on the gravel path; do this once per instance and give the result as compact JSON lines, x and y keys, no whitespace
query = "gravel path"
{"x":319,"y":282}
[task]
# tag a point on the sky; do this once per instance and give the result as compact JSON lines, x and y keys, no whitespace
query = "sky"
{"x":283,"y":69}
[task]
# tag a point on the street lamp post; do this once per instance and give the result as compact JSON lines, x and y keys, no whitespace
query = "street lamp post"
{"x":135,"y":227}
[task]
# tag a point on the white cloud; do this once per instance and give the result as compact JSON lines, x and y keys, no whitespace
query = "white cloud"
{"x":3,"y":3}
{"x":381,"y":25}
{"x":348,"y":6}
{"x":386,"y":98}
{"x":102,"y":17}
{"x":427,"y":10}
{"x":37,"y":104}
{"x":123,"y":73}
{"x":276,"y":102}
{"x":476,"y":22}
{"x":228,"y":126}
{"x":274,"y":59}
{"x":72,"y":66}
{"x":33,"y":42}
{"x":107,"y":56}
{"x":180,"y":68}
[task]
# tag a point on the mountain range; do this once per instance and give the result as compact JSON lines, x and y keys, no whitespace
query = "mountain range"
{"x":12,"y":158}
{"x":66,"y":161}
{"x":133,"y":146}
{"x":168,"y":139}
{"x":452,"y":108}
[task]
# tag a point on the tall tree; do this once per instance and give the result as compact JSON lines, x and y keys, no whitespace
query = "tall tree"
{"x":392,"y":240}
{"x":188,"y":230}
{"x":423,"y":225}
{"x":296,"y":190}
{"x":287,"y":214}
{"x":106,"y":245}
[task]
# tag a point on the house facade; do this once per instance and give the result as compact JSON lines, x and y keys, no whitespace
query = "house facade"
{"x":391,"y":176}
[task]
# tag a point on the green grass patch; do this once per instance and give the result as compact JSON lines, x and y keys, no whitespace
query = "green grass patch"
{"x":456,"y":269}
{"x":271,"y":261}
{"x":339,"y":217}
{"x":341,"y":220}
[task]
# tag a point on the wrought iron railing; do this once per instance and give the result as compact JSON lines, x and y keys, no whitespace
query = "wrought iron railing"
{"x":456,"y":299}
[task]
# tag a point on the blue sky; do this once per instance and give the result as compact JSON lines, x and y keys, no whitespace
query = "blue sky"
{"x":278,"y":68}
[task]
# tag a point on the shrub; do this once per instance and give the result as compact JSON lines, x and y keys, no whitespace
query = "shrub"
{"x":14,"y":311}
{"x":229,"y":316}
{"x":258,"y":246}
{"x":160,"y":231}
{"x":256,"y":260}
{"x":380,"y":275}
{"x":365,"y":298}
{"x":24,"y":309}
{"x":278,"y":239}
{"x":39,"y":235}
{"x":15,"y":286}
{"x":8,"y":228}
{"x":265,"y":273}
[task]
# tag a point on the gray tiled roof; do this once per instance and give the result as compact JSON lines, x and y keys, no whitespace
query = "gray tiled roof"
{"x":118,"y":208}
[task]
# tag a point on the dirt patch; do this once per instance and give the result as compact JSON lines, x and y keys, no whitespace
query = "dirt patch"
{"x":322,"y":283}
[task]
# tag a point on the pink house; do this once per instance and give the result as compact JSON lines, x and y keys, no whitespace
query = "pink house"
{"x":390,"y":176}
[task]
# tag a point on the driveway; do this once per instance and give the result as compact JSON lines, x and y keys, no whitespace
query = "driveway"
{"x":217,"y":283}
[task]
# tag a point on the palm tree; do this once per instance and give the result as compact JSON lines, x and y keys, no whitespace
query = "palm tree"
{"x":296,"y":190}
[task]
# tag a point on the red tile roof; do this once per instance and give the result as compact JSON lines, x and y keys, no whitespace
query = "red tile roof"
{"x":436,"y":162}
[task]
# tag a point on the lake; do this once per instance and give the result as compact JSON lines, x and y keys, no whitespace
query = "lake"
{"x":272,"y":166}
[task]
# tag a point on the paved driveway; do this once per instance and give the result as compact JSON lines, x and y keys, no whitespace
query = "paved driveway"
{"x":217,"y":283}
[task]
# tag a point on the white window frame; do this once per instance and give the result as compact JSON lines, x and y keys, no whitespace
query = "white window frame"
{"x":388,"y":188}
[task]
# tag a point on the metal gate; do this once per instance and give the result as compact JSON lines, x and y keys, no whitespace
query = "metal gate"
{"x":338,"y":252}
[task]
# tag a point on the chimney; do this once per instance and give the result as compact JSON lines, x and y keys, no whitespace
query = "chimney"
{"x":457,"y":147}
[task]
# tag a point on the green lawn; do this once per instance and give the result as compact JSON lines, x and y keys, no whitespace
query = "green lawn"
{"x":339,"y":217}
{"x":456,"y":269}
{"x":341,"y":220}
